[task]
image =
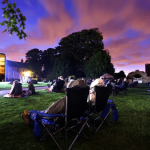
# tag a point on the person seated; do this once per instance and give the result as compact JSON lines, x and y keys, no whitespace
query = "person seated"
{"x":16,"y":90}
{"x":50,"y":87}
{"x":133,"y":84}
{"x":97,"y":82}
{"x":106,"y":82}
{"x":31,"y":89}
{"x":70,"y":82}
{"x":57,"y":86}
{"x":121,"y":86}
{"x":57,"y":107}
{"x":119,"y":81}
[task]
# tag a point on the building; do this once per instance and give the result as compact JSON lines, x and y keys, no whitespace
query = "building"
{"x":140,"y":76}
{"x":14,"y":70}
{"x":147,"y":69}
{"x":2,"y":67}
{"x":17,"y":71}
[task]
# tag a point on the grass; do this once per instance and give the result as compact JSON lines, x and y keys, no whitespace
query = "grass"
{"x":130,"y":132}
{"x":4,"y":86}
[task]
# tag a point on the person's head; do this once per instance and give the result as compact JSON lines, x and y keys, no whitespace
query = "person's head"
{"x":71,"y":78}
{"x":97,"y":82}
{"x":61,"y":77}
{"x":125,"y":79}
{"x":15,"y":82}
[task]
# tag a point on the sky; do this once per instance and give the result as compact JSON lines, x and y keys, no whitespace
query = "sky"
{"x":125,"y":26}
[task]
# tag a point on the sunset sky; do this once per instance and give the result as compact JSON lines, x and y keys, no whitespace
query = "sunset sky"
{"x":125,"y":26}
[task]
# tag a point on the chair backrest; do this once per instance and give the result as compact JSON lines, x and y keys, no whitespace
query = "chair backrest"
{"x":59,"y":85}
{"x":76,"y":101}
{"x":101,"y":96}
{"x":17,"y":89}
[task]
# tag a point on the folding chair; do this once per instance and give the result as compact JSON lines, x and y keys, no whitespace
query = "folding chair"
{"x":102,"y":108}
{"x":76,"y":105}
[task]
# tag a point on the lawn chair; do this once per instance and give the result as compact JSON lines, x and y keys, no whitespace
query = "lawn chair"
{"x":76,"y":105}
{"x":102,"y":108}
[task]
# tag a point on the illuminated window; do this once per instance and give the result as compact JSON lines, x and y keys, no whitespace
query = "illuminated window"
{"x":2,"y":67}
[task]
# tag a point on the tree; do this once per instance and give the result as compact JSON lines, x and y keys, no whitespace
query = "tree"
{"x":99,"y":64}
{"x":120,"y":74}
{"x":34,"y":61}
{"x":48,"y":57}
{"x":81,"y":45}
{"x":63,"y":67}
{"x":15,"y":21}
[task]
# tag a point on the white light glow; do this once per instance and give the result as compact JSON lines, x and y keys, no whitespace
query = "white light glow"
{"x":27,"y":74}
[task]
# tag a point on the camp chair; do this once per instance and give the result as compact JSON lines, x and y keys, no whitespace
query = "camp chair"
{"x":102,"y":108}
{"x":76,"y":105}
{"x":17,"y":90}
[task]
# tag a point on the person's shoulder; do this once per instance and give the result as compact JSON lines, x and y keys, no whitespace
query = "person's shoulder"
{"x":79,"y":82}
{"x":69,"y":85}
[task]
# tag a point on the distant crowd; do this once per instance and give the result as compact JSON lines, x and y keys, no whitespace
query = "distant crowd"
{"x":60,"y":84}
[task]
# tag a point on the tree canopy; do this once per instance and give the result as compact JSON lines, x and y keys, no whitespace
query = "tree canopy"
{"x":120,"y":74}
{"x":34,"y":60}
{"x":81,"y":54}
{"x":99,"y":64}
{"x":82,"y":45}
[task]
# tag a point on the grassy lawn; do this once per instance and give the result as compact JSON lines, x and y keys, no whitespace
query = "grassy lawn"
{"x":130,"y":132}
{"x":4,"y":86}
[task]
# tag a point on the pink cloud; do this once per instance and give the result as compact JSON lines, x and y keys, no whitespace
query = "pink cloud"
{"x":15,"y":52}
{"x":113,"y":18}
{"x":53,"y":27}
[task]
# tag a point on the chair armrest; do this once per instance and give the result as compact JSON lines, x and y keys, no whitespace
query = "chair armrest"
{"x":47,"y":115}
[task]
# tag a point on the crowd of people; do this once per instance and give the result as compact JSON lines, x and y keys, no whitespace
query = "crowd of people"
{"x":58,"y":107}
{"x":60,"y":85}
{"x":17,"y":90}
